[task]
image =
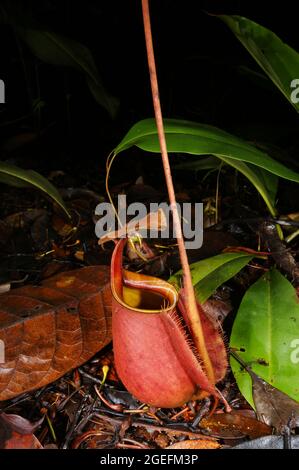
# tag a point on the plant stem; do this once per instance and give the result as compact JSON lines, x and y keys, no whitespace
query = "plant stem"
{"x":192,"y":310}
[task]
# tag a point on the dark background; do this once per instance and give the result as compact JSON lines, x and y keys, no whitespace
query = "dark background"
{"x":198,"y":61}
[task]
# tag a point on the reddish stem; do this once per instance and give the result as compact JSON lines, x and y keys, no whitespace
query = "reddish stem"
{"x":194,"y":317}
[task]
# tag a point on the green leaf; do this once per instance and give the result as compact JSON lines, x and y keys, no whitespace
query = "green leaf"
{"x":278,"y":60}
{"x":15,"y":176}
{"x":207,"y":286}
{"x":208,"y":274}
{"x":199,"y":139}
{"x":269,"y":181}
{"x":55,"y":49}
{"x":265,"y":335}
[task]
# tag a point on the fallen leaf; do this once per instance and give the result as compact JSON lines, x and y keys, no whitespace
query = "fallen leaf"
{"x":50,"y":329}
{"x":195,"y":444}
{"x":273,"y":407}
{"x":235,"y":424}
{"x":17,"y":432}
{"x":19,"y":441}
{"x":153,"y":221}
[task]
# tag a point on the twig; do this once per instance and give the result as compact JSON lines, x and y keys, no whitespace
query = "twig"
{"x":132,"y":444}
{"x":153,"y":427}
{"x":89,"y":376}
{"x":72,"y":427}
{"x":192,"y":310}
{"x":204,"y":410}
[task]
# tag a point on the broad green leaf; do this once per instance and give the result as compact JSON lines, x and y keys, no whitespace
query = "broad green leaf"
{"x":16,"y":176}
{"x":208,"y":274}
{"x":200,"y":139}
{"x":207,"y":286}
{"x":278,"y":60}
{"x":55,"y":49}
{"x":265,"y":335}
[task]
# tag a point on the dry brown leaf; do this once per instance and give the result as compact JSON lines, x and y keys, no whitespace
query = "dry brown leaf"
{"x":195,"y":444}
{"x":153,"y":220}
{"x":50,"y":329}
{"x":235,"y":424}
{"x":17,"y":432}
{"x":274,"y":407}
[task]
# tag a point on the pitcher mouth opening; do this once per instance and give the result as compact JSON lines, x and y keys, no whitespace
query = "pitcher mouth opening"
{"x":145,"y":294}
{"x":140,"y":292}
